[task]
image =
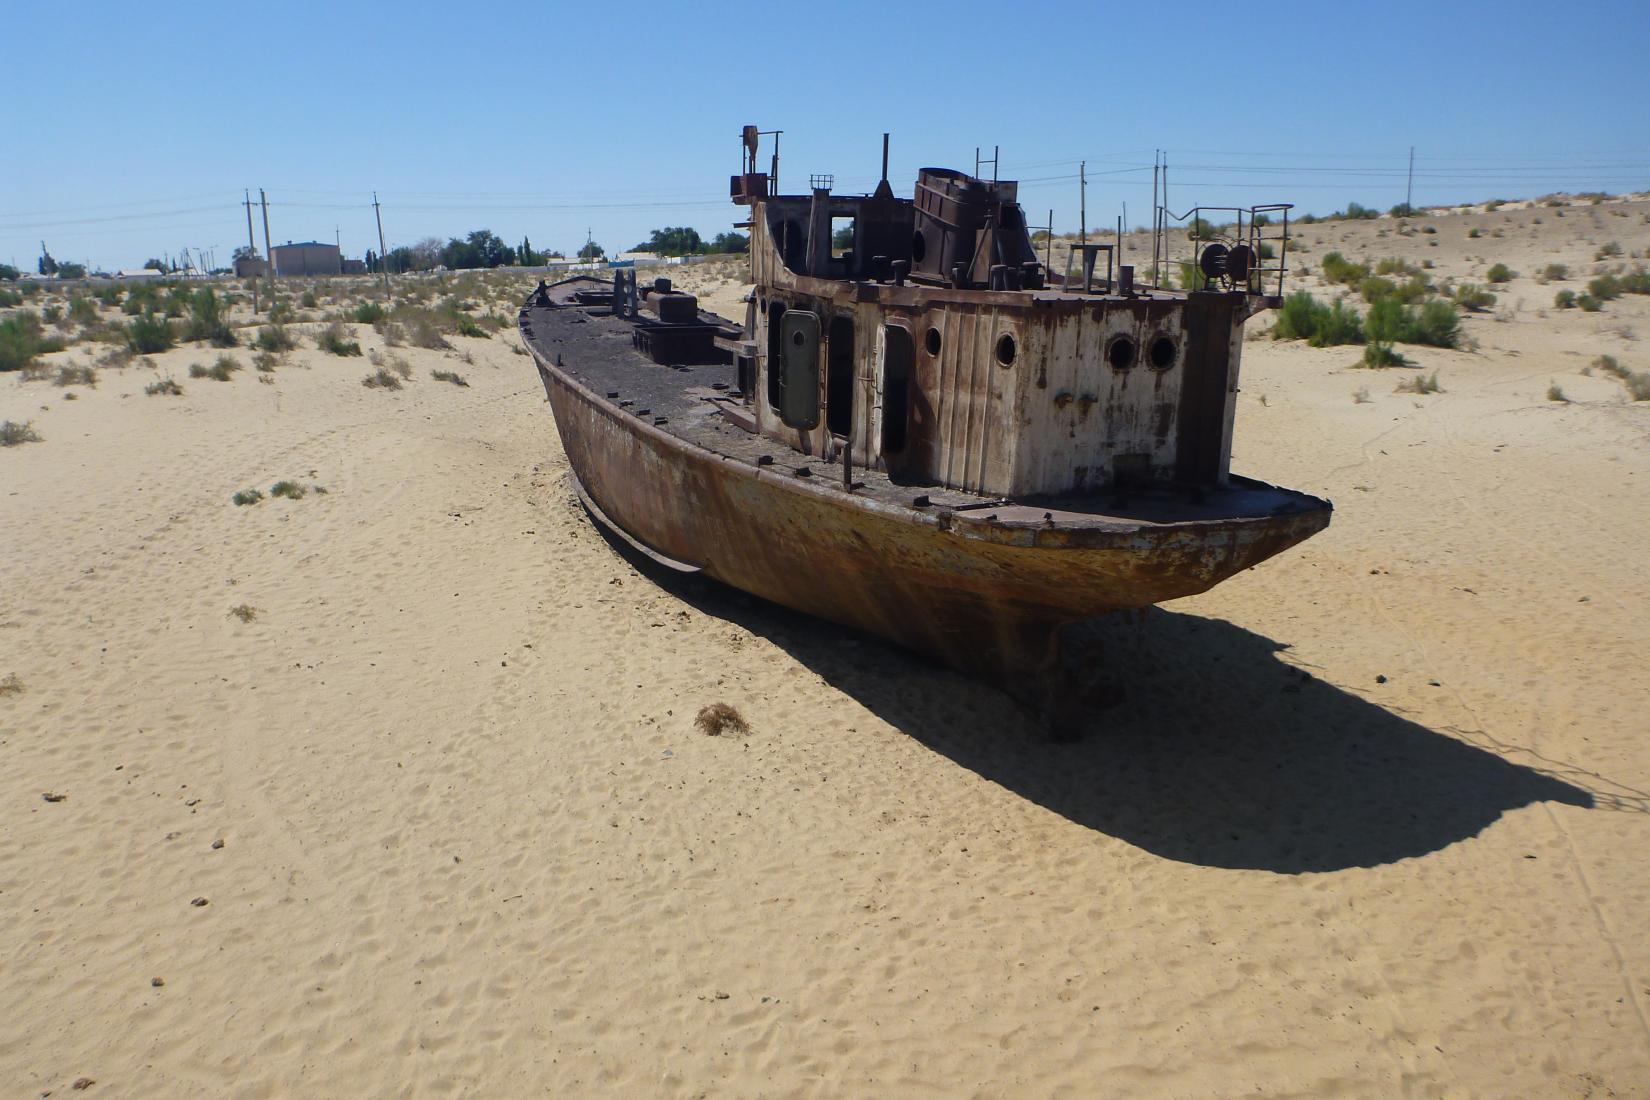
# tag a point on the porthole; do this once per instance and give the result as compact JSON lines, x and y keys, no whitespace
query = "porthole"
{"x":919,"y":247}
{"x":1120,"y":352}
{"x":797,"y":339}
{"x":1162,"y":353}
{"x":932,"y":341}
{"x":1005,"y":350}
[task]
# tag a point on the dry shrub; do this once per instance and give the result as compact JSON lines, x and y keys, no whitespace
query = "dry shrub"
{"x":719,"y":718}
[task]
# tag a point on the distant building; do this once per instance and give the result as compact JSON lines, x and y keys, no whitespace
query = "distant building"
{"x":251,"y":267}
{"x":139,"y":274}
{"x":307,"y":258}
{"x":355,"y":267}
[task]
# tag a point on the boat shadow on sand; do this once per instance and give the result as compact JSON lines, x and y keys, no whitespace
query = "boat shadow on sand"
{"x":1219,"y":753}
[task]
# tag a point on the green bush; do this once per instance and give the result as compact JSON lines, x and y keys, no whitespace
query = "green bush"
{"x":148,"y":334}
{"x":307,"y":299}
{"x":1305,"y":318}
{"x":81,"y":311}
{"x":1500,"y":273}
{"x":1380,"y":354}
{"x":1376,"y":289}
{"x":1565,"y":299}
{"x":176,"y":303}
{"x":1589,"y":304}
{"x":1394,"y":266}
{"x":1604,"y":288}
{"x":368,"y":313}
{"x":1387,"y":322}
{"x":1414,"y":289}
{"x":1474,"y":233}
{"x":1199,"y":229}
{"x":275,"y":338}
{"x":1472,"y":297}
{"x":206,"y":320}
{"x":335,"y":338}
{"x":20,"y":341}
{"x":1437,"y":325}
{"x":1608,"y":251}
{"x":1556,"y":273}
{"x":1338,"y":269}
{"x":465,"y":325}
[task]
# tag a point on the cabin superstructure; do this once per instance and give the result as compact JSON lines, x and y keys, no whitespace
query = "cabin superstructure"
{"x":924,"y":337}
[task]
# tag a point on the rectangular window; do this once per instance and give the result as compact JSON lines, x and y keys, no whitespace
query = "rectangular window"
{"x":839,"y":376}
{"x":842,"y":236}
{"x":898,"y":355}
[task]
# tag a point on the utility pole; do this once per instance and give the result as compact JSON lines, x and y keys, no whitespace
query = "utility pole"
{"x":1409,"y":189}
{"x":269,"y":252}
{"x":1082,"y":202}
{"x":251,"y":245}
{"x":383,"y":263}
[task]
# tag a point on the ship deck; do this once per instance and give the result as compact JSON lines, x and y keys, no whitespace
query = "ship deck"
{"x":700,"y":406}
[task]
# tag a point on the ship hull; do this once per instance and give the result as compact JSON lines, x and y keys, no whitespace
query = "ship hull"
{"x":987,"y":601}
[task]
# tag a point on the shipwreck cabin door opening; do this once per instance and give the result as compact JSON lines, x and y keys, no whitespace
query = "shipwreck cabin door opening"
{"x":839,"y":376}
{"x":898,"y":356}
{"x":799,"y":369}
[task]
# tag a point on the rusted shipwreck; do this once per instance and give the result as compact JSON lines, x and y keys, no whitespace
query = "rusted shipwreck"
{"x":921,"y":431}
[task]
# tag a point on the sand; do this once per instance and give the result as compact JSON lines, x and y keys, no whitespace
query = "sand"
{"x":1371,"y":820}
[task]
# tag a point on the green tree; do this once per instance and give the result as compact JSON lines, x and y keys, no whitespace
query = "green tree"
{"x":591,"y":251}
{"x":678,"y":240}
{"x":733,"y":242}
{"x":482,"y":248}
{"x":8,"y":272}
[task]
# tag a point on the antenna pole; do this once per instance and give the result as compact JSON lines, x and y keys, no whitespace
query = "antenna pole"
{"x":251,"y":245}
{"x":1048,"y":251}
{"x":1409,"y":188}
{"x":885,"y":158}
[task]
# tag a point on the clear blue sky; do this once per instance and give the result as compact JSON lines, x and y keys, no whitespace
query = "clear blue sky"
{"x":128,"y":130}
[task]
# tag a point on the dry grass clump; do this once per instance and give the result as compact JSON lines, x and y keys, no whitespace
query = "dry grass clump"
{"x":244,"y":612}
{"x":117,"y":357}
{"x":382,"y":379}
{"x":720,"y":718}
{"x":13,"y":433}
{"x":393,"y":362}
{"x":448,"y":376}
{"x":291,"y":490}
{"x":247,"y":496}
{"x":11,"y":685}
{"x":1636,"y":381}
{"x":1555,"y":392}
{"x":164,"y":388}
{"x":1420,"y":384}
{"x":75,"y":376}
